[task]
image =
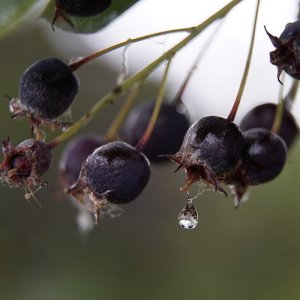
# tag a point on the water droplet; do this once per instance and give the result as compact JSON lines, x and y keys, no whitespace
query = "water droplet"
{"x":188,"y":217}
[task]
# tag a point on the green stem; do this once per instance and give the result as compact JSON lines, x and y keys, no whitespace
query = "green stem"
{"x":77,"y":63}
{"x":122,"y":113}
{"x":178,"y":97}
{"x":279,"y":108}
{"x":237,"y":102}
{"x":140,"y":76}
{"x":291,"y":95}
{"x":160,"y":97}
{"x":278,"y":117}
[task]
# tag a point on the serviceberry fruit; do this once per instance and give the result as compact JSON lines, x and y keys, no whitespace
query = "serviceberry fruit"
{"x":114,"y":173}
{"x":286,"y":56}
{"x":262,"y":160}
{"x":79,"y":8}
{"x":24,"y":164}
{"x":47,"y":89}
{"x":211,"y":148}
{"x":75,"y":153}
{"x":262,"y":116}
{"x":72,"y":158}
{"x":168,"y":133}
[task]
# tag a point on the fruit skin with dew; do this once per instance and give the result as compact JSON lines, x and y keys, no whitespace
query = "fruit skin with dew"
{"x":286,"y":56}
{"x":262,"y":160}
{"x":168,"y":133}
{"x":47,"y":89}
{"x":262,"y":116}
{"x":24,"y":164}
{"x":74,"y":154}
{"x":211,"y":148}
{"x":116,"y":172}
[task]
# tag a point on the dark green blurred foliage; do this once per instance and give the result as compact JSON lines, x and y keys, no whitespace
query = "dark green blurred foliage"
{"x":249,"y":253}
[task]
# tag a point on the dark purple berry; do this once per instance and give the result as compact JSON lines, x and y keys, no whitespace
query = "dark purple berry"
{"x":75,"y":153}
{"x":79,"y":8}
{"x":167,"y":135}
{"x":211,"y":148}
{"x":24,"y":164}
{"x":47,"y":88}
{"x":286,"y":56}
{"x":264,"y":156}
{"x":115,"y":172}
{"x":82,"y":8}
{"x":262,"y":160}
{"x":262,"y":116}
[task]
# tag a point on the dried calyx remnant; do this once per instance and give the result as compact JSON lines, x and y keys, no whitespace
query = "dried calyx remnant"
{"x":47,"y":89}
{"x":286,"y":56}
{"x":211,"y":148}
{"x":23,"y":165}
{"x":115,"y":173}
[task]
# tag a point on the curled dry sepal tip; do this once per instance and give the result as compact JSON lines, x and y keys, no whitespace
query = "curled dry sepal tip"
{"x":24,"y":164}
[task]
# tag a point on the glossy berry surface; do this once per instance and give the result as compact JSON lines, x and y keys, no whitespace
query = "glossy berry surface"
{"x":47,"y":88}
{"x":262,"y":160}
{"x":115,"y":171}
{"x":262,"y":116}
{"x":83,"y":8}
{"x":24,"y":164}
{"x":287,"y":54}
{"x":264,"y":156}
{"x":211,"y":148}
{"x":75,"y":153}
{"x":167,"y":135}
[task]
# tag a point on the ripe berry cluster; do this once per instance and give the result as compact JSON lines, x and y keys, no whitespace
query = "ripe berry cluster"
{"x":216,"y":151}
{"x":101,"y":174}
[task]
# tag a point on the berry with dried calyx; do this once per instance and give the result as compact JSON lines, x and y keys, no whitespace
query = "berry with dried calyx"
{"x":79,"y":8}
{"x":72,"y":158}
{"x":286,"y":56}
{"x":262,"y":160}
{"x":47,"y":89}
{"x":262,"y":116}
{"x":168,"y":133}
{"x":211,"y":148}
{"x":24,"y":164}
{"x":114,"y":173}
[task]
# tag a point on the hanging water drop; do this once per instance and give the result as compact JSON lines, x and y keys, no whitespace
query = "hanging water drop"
{"x":188,"y":217}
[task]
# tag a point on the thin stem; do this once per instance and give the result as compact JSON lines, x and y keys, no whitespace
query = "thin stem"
{"x":140,"y":76}
{"x":122,"y":113}
{"x":291,"y":95}
{"x":279,"y":108}
{"x":74,"y":65}
{"x":178,"y":97}
{"x":159,"y":100}
{"x":237,"y":102}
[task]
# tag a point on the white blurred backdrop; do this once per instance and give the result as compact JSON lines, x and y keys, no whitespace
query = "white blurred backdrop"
{"x":215,"y":83}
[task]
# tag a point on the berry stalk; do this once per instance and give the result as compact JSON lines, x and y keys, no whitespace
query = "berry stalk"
{"x":284,"y":103}
{"x":160,"y":97}
{"x":123,"y":112}
{"x":291,"y":95}
{"x":237,"y":102}
{"x":77,"y":63}
{"x":123,"y":87}
{"x":278,"y":116}
{"x":178,"y":97}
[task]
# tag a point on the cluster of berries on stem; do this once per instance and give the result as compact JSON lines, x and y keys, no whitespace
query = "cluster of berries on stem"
{"x":102,"y":172}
